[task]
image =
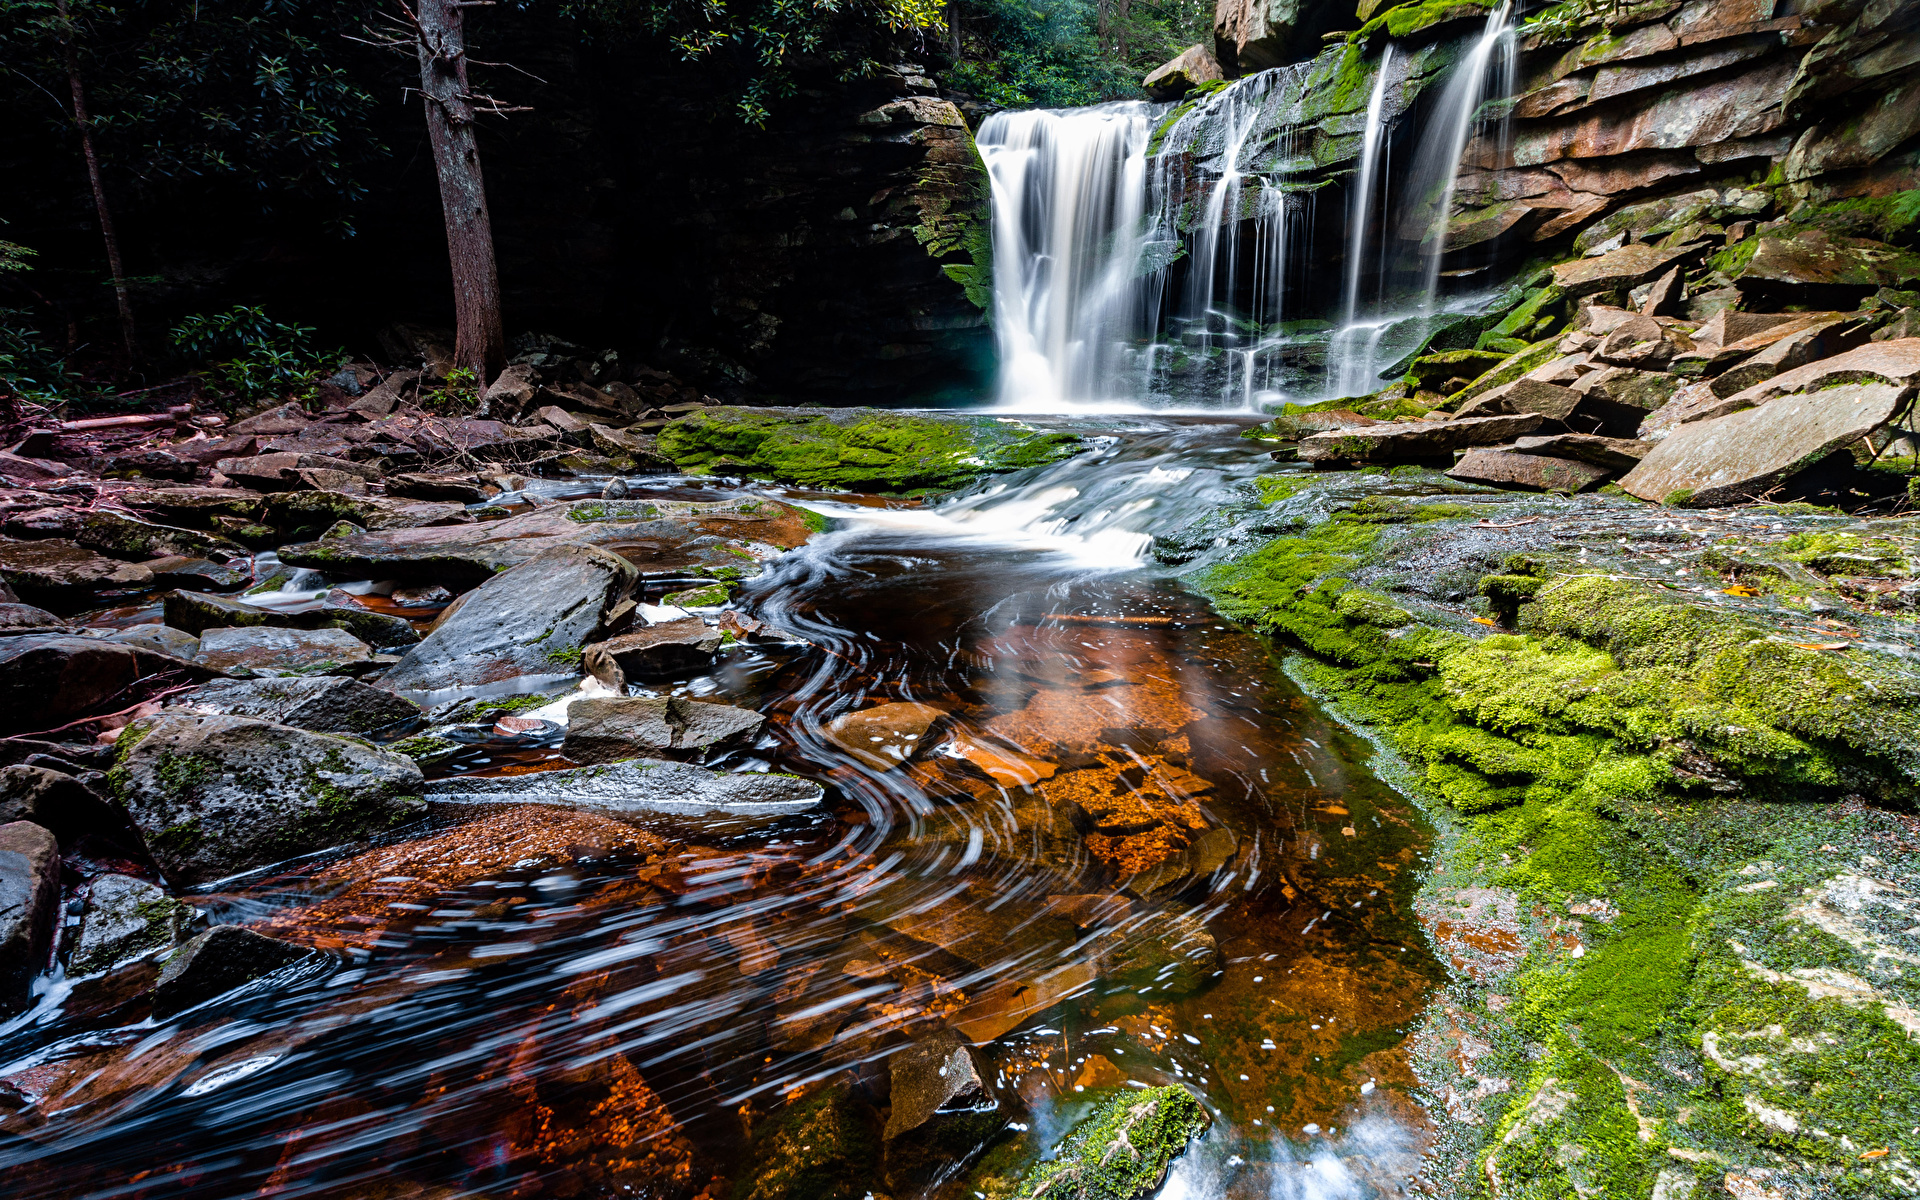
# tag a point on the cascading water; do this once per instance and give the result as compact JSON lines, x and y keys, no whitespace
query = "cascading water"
{"x":1147,"y":262}
{"x":1068,"y":197}
{"x":1436,"y":168}
{"x":1355,"y":346}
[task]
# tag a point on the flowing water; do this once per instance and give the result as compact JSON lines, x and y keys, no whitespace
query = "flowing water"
{"x":1129,"y":852}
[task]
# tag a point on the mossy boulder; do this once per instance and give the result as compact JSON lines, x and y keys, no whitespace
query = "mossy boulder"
{"x":214,"y":796}
{"x":1121,"y":1151}
{"x":822,"y":1147}
{"x":859,"y":449}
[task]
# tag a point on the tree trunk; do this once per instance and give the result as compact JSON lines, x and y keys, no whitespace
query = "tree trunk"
{"x":84,"y":125}
{"x":479,"y":344}
{"x":1123,"y":12}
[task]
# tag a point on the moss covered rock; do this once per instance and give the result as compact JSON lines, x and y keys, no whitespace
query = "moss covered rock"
{"x":859,"y":449}
{"x":1122,"y":1151}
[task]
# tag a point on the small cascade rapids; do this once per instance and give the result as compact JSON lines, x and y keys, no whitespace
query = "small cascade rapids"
{"x":1148,"y":260}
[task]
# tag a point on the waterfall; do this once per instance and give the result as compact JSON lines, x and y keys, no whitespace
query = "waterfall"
{"x":1069,"y":195}
{"x":1436,"y":168}
{"x":1354,"y":349}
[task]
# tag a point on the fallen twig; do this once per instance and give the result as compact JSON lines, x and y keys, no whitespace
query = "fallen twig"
{"x":1485,"y":524}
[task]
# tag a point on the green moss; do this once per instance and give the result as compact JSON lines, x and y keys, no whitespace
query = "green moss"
{"x":819,"y":1148}
{"x":710,"y":596}
{"x":1122,"y":1151}
{"x":180,"y":839}
{"x":814,"y":521}
{"x":860,"y":449}
{"x":1408,"y":19}
{"x":1274,"y":488}
{"x":568,"y":656}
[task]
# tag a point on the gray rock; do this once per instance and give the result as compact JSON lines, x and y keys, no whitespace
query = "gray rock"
{"x":125,"y":917}
{"x":529,"y":622}
{"x":328,"y":704}
{"x":1626,"y":267}
{"x":638,"y":786}
{"x":49,"y":679}
{"x":945,"y":1108}
{"x":374,"y":628}
{"x":283,"y":651}
{"x":197,"y":612}
{"x":26,"y":616}
{"x":180,"y":571}
{"x":1742,"y":455}
{"x":1643,"y":390}
{"x":1188,"y":70}
{"x":1823,"y":339}
{"x":611,"y":728}
{"x":1404,"y":440}
{"x":663,"y":651}
{"x":425,"y":486}
{"x":218,"y":795}
{"x":1529,"y":471}
{"x":57,"y":801}
{"x":1620,"y":454}
{"x":220,"y":960}
{"x":162,"y":639}
{"x":29,"y":905}
{"x":57,"y":571}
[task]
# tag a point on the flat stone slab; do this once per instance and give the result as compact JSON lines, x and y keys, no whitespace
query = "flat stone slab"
{"x":329,"y":704}
{"x":1620,"y":454}
{"x":1416,"y":439}
{"x":612,"y":728}
{"x":639,"y":786}
{"x":660,"y":537}
{"x":1534,"y":472}
{"x":1740,"y":456}
{"x":1629,"y":266}
{"x":660,"y":651}
{"x":55,"y":570}
{"x":281,"y":651}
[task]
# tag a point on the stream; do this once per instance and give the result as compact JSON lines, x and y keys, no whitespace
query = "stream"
{"x":1127,"y":852}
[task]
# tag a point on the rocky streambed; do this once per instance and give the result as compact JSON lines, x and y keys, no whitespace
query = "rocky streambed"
{"x":623,"y":830}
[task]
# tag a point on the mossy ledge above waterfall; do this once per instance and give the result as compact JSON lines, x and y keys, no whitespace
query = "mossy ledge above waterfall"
{"x":862,"y":449}
{"x":1674,"y":761}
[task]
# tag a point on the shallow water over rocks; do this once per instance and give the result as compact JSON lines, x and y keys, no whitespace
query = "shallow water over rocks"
{"x":1110,"y":846}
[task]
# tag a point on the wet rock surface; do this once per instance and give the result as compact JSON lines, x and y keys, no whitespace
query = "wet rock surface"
{"x":125,"y":917}
{"x":607,"y":730}
{"x":640,"y":786}
{"x":213,"y":796}
{"x":325,"y":705}
{"x":29,"y":907}
{"x":218,"y":961}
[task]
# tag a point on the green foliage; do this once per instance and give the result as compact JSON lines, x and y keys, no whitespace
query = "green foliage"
{"x":186,"y":90}
{"x":1054,"y":53}
{"x":761,"y":40}
{"x":250,"y":354}
{"x":456,"y":395}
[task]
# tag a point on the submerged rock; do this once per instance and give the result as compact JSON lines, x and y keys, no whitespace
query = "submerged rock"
{"x":326,"y":705}
{"x":945,"y":1109}
{"x":860,"y":449}
{"x":820,"y":1147}
{"x":218,"y":961}
{"x":639,"y":786}
{"x":29,"y":905}
{"x":217,"y":795}
{"x":125,"y":917}
{"x":1123,"y":1150}
{"x":885,"y":735}
{"x":530,"y":622}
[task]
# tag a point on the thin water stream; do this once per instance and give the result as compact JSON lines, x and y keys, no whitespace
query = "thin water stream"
{"x":1124,"y":851}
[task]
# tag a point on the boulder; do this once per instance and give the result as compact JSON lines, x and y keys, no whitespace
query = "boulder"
{"x":329,"y":704}
{"x":1616,"y":270}
{"x":278,"y":471}
{"x":623,"y":445}
{"x":59,"y":572}
{"x":1740,"y":456}
{"x":465,"y":489}
{"x":610,"y":728}
{"x":1530,"y":471}
{"x":510,"y":394}
{"x":639,"y":786}
{"x":49,"y":679}
{"x":885,"y":735}
{"x":663,"y":651}
{"x":217,"y":795}
{"x":125,"y":917}
{"x":945,"y":1109}
{"x":1406,"y":440}
{"x":1814,"y":266}
{"x":1189,"y":69}
{"x":527,"y":623}
{"x":1627,"y":387}
{"x":195,"y":506}
{"x":23,"y":469}
{"x":162,"y":639}
{"x":1291,"y":427}
{"x":29,"y":908}
{"x":1619,"y":454}
{"x":1641,"y":342}
{"x":175,"y":571}
{"x":265,"y":651}
{"x":1894,"y":362}
{"x":1167,"y":948}
{"x":281,"y":418}
{"x":56,"y":800}
{"x":117,"y":533}
{"x":320,"y":508}
{"x":1729,"y":326}
{"x":220,"y":960}
{"x":660,"y":537}
{"x":1816,"y":340}
{"x":26,"y":616}
{"x":381,"y":630}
